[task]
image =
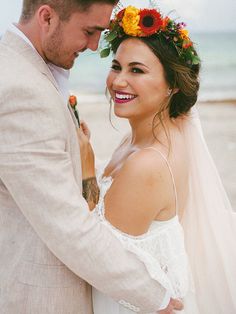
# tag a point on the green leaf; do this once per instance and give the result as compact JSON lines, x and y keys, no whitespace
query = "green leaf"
{"x":195,"y":60}
{"x":111,"y":36}
{"x":188,"y":53}
{"x":105,"y":52}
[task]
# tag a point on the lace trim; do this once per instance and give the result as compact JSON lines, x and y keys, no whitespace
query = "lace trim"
{"x":165,"y":261}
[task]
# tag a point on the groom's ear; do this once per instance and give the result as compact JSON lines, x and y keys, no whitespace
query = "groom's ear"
{"x":46,"y":17}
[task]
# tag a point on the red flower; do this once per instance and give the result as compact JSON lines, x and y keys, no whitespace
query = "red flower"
{"x":120,"y":14}
{"x":150,"y":21}
{"x":187,"y":44}
{"x":165,"y":22}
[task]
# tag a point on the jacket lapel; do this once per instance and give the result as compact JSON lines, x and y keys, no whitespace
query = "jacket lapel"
{"x":16,"y":43}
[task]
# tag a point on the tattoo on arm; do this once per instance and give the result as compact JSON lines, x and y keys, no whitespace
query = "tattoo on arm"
{"x":91,"y":191}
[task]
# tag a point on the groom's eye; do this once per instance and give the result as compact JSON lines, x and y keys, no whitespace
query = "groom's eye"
{"x":89,"y":33}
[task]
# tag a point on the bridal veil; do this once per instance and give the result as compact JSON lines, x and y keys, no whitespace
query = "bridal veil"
{"x":210,"y":227}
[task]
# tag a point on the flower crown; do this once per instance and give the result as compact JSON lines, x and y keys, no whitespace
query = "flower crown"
{"x":136,"y":22}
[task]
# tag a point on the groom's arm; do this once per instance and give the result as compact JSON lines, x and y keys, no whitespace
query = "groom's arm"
{"x":38,"y":173}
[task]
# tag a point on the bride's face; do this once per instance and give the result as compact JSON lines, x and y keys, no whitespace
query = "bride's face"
{"x":136,"y":81}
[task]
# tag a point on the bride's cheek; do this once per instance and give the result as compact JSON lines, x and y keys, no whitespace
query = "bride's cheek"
{"x":110,"y":79}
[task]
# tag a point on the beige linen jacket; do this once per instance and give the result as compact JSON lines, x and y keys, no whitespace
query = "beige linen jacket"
{"x":48,"y":237}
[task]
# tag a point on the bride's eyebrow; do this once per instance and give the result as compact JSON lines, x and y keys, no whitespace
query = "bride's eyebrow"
{"x":137,"y":63}
{"x":115,"y":61}
{"x":131,"y":63}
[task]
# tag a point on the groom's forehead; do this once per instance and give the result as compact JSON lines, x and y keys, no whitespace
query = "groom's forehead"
{"x":97,"y":16}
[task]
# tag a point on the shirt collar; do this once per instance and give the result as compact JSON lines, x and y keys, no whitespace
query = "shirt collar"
{"x":14,"y":29}
{"x":61,"y":75}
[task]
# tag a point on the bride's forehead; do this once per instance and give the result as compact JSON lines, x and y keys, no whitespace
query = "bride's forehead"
{"x":133,"y":43}
{"x":135,"y":50}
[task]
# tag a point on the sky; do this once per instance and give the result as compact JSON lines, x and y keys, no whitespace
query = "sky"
{"x":200,"y":15}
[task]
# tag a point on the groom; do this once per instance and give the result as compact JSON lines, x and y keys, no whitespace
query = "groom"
{"x":48,"y":237}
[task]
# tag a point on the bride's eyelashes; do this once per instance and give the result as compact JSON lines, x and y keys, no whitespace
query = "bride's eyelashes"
{"x":116,"y":67}
{"x":137,"y":70}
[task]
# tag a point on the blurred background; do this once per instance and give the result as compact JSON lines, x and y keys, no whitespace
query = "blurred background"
{"x":212,"y":26}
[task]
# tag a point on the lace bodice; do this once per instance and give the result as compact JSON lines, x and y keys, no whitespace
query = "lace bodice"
{"x":161,"y":249}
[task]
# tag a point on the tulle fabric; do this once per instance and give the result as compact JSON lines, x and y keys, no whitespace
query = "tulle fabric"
{"x":209,"y":227}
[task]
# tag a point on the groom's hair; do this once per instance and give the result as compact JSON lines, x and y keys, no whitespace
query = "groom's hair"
{"x":64,"y":8}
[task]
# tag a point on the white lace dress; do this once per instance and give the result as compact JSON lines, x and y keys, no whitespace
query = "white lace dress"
{"x":161,"y":250}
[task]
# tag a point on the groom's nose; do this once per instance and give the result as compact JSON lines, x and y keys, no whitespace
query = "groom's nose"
{"x":93,"y":41}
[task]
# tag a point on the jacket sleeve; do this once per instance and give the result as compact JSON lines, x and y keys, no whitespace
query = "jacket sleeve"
{"x":37,"y":171}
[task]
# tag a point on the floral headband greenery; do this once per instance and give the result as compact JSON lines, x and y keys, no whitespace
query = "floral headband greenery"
{"x":136,"y":22}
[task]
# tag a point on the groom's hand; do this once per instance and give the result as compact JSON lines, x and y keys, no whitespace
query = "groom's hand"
{"x":174,"y":305}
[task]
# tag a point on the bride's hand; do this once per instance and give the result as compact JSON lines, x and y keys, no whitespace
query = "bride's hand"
{"x":174,"y":305}
{"x":85,"y":129}
{"x":86,"y":151}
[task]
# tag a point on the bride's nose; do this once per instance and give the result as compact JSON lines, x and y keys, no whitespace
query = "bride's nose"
{"x":120,"y":81}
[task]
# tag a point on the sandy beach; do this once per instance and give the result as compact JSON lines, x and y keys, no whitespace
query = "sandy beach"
{"x":218,"y":121}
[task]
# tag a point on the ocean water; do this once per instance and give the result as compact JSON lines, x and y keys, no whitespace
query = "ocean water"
{"x":218,"y":73}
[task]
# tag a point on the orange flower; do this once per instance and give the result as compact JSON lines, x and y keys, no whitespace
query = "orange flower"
{"x":73,"y":100}
{"x":165,"y":22}
{"x":130,"y":21}
{"x":187,"y":44}
{"x":183,"y":33}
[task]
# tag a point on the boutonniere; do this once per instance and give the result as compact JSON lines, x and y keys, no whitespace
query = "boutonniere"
{"x":73,"y":103}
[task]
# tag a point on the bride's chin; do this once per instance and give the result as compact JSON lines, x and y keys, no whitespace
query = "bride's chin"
{"x":121,"y":114}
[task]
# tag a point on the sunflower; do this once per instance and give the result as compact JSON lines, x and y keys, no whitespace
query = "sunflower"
{"x":150,"y":21}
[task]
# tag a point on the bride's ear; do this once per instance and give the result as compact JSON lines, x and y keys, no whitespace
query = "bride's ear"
{"x":171,"y":91}
{"x":175,"y":91}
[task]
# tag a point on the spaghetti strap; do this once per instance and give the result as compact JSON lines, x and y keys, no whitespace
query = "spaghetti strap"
{"x":171,"y":173}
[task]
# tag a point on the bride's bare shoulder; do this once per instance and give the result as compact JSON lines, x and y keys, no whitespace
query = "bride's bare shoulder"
{"x":139,"y":191}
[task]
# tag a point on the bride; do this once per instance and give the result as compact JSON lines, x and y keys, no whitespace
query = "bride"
{"x":160,"y":193}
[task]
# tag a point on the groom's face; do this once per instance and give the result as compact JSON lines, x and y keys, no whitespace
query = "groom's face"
{"x":66,"y":39}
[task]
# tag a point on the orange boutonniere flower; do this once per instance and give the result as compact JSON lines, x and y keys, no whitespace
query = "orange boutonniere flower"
{"x":73,"y":103}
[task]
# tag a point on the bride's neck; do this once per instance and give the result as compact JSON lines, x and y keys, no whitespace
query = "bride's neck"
{"x":144,"y":133}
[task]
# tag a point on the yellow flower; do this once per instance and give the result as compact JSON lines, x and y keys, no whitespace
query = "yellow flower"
{"x":130,"y":21}
{"x":184,"y":33}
